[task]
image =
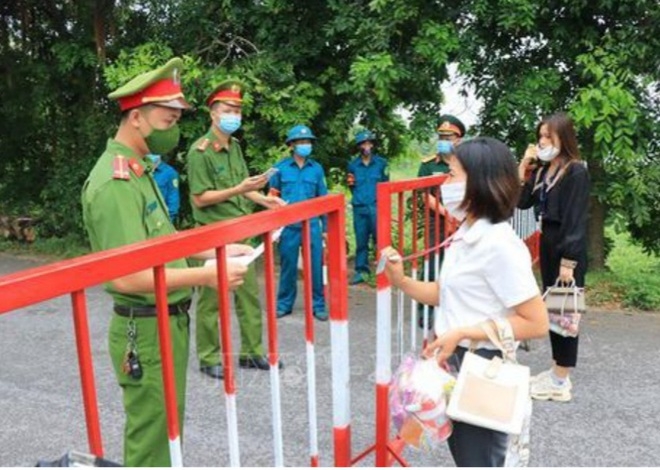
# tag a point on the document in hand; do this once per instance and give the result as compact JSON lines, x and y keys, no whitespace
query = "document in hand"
{"x":246,"y":260}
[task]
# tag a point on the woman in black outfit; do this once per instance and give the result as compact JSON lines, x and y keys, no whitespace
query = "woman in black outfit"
{"x":556,"y":182}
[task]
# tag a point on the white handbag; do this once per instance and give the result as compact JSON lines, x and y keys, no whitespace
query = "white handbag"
{"x":565,"y":306}
{"x":492,"y":393}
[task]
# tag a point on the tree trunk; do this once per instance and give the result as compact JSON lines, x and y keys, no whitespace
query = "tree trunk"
{"x":596,"y":234}
{"x":596,"y":221}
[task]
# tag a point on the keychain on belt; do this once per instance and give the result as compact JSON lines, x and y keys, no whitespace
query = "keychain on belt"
{"x":132,"y":366}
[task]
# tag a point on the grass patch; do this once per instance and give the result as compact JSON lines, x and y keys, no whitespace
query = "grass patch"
{"x":53,"y":248}
{"x":631,"y":279}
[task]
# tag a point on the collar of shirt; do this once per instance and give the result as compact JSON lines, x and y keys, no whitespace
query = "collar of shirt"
{"x":473,"y":233}
{"x":372,"y":160}
{"x":293,"y":162}
{"x":117,"y":148}
{"x":214,"y":140}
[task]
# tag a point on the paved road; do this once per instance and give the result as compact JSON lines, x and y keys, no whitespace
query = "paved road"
{"x":612,"y":420}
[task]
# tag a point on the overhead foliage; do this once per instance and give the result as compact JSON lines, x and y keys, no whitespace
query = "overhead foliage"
{"x":600,"y":62}
{"x":334,"y":65}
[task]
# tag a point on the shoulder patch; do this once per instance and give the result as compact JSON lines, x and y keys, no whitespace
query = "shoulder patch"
{"x":203,"y":145}
{"x":120,"y":168}
{"x":136,"y":167}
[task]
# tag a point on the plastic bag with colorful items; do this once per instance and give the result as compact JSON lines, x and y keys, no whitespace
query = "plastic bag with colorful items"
{"x":418,"y":400}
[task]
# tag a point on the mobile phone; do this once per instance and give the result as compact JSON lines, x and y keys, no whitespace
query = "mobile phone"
{"x":270,"y":172}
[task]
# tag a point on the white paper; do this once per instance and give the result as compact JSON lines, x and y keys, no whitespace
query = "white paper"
{"x":246,"y":260}
{"x":383,"y":261}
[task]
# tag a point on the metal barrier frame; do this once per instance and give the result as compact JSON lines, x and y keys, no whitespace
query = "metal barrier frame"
{"x":75,"y":275}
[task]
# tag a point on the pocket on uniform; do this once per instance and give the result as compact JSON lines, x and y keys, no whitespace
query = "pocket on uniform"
{"x":309,"y":187}
{"x":156,"y":222}
{"x":222,"y":179}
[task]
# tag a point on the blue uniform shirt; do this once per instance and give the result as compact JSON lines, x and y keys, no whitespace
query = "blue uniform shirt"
{"x":295,"y":183}
{"x":365,"y":178}
{"x":167,"y":179}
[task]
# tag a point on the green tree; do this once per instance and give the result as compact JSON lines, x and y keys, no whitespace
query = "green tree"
{"x":599,"y":61}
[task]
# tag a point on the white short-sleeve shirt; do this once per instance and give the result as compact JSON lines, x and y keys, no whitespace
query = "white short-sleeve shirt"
{"x":486,"y":271}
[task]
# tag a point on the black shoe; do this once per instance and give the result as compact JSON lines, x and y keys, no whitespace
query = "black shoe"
{"x":256,"y":362}
{"x":321,"y":315}
{"x":216,"y":371}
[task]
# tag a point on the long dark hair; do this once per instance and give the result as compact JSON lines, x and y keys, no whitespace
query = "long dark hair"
{"x":561,"y":124}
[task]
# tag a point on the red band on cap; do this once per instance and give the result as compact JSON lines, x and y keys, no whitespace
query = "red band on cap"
{"x":446,"y":127}
{"x":162,"y":90}
{"x":226,"y":95}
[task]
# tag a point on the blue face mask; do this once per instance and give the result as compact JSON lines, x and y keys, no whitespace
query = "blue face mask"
{"x":303,"y":150}
{"x":229,"y":123}
{"x":445,"y":147}
{"x":153,"y":158}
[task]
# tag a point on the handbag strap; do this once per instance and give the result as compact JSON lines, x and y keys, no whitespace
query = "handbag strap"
{"x":574,"y":293}
{"x":500,"y":333}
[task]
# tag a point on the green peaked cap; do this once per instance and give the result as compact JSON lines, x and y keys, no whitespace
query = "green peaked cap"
{"x":160,"y":86}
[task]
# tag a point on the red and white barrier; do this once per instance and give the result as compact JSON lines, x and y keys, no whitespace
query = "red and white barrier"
{"x":72,"y":277}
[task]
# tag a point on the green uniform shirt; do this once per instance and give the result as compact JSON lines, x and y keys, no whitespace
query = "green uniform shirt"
{"x":213,"y":167}
{"x":118,"y":212}
{"x":435,"y":166}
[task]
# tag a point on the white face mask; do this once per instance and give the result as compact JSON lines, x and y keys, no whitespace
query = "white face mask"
{"x":452,"y":197}
{"x":546,"y":154}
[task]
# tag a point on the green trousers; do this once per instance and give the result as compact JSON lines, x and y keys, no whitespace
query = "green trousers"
{"x":146,"y":442}
{"x":250,"y":321}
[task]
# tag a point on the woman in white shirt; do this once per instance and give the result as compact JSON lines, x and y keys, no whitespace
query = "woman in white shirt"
{"x":486,"y":275}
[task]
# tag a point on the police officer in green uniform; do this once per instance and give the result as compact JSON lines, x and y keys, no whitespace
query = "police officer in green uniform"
{"x":450,"y":132}
{"x":221,"y":189}
{"x":122,"y":205}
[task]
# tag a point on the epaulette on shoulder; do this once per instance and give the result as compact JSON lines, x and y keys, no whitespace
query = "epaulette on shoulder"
{"x":430,"y":158}
{"x":203,"y":145}
{"x":120,"y":168}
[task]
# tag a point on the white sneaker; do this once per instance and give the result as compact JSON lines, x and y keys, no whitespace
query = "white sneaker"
{"x":544,"y":388}
{"x":547,"y":373}
{"x":539,"y":376}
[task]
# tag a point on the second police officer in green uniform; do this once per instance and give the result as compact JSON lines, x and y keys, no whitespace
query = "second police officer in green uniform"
{"x":221,"y":189}
{"x":450,"y":132}
{"x":365,"y":171}
{"x":122,"y":205}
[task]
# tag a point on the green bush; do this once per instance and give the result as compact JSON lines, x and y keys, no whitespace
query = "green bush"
{"x":634,"y":273}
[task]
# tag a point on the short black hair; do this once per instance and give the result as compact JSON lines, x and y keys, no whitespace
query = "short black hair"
{"x":492,"y":187}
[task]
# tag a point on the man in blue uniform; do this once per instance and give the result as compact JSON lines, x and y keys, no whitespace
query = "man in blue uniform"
{"x":167,"y":179}
{"x":300,"y":178}
{"x":365,"y":171}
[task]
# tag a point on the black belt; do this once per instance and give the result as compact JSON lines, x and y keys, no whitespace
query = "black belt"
{"x":150,"y":310}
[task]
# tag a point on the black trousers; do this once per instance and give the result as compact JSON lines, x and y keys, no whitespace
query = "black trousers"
{"x":564,"y":350}
{"x":474,"y":446}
